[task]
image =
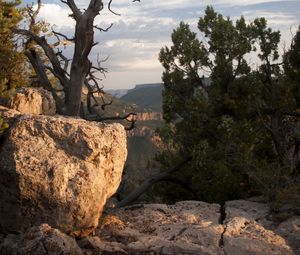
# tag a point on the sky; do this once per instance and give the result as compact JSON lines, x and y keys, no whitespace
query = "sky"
{"x":134,"y":41}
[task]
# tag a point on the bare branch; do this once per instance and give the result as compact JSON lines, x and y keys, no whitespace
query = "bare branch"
{"x":57,"y":34}
{"x":76,"y":12}
{"x":41,"y":41}
{"x":104,"y":29}
{"x":33,"y":14}
{"x":109,"y":8}
{"x":66,"y":60}
{"x":39,"y":68}
{"x":135,"y":194}
{"x":99,"y":118}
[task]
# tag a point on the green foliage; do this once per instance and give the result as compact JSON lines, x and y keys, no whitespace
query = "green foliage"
{"x":292,"y":65}
{"x":12,"y":62}
{"x":235,"y":127}
{"x":3,"y":126}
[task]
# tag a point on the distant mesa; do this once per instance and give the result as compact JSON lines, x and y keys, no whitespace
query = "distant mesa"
{"x":118,"y":93}
{"x":146,"y":96}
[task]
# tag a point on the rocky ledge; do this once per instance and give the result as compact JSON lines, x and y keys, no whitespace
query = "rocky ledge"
{"x":188,"y":227}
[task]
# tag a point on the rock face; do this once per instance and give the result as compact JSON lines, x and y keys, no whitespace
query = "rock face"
{"x":33,"y":101}
{"x":196,"y":228}
{"x":38,"y":241}
{"x":248,"y":230}
{"x":144,"y":116}
{"x":186,"y":228}
{"x":58,"y":170}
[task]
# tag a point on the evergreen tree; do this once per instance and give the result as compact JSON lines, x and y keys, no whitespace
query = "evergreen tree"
{"x":292,"y":65}
{"x":12,"y":62}
{"x":236,"y":128}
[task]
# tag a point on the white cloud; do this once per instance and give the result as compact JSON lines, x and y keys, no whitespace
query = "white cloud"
{"x":133,"y":43}
{"x":273,"y":18}
{"x":56,"y":14}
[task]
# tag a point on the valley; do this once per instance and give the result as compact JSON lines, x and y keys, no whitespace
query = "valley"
{"x":142,"y":142}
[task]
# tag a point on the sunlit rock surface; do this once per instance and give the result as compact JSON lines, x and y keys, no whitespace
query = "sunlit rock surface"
{"x":33,"y":101}
{"x":192,"y":227}
{"x":58,"y":170}
{"x":186,"y":228}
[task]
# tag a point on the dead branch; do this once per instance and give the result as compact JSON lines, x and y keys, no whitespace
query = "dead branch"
{"x":164,"y":176}
{"x":130,"y":117}
{"x":57,"y":34}
{"x":104,"y":29}
{"x":33,"y":14}
{"x":65,"y":60}
{"x":109,"y":8}
{"x":76,"y":12}
{"x":41,"y":41}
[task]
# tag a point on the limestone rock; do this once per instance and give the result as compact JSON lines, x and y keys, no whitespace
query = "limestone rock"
{"x":40,"y":240}
{"x":247,"y":237}
{"x":95,"y":244}
{"x":192,"y":227}
{"x":33,"y":101}
{"x":290,"y":231}
{"x":187,"y":227}
{"x":249,"y":231}
{"x":59,"y":171}
{"x":250,"y":210}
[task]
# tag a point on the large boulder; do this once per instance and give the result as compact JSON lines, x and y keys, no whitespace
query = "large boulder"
{"x":33,"y":101}
{"x":58,"y":170}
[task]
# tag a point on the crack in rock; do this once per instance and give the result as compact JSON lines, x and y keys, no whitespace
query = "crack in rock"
{"x":222,"y":222}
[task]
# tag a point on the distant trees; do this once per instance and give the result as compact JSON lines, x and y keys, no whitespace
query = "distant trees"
{"x":13,"y":72}
{"x":241,"y":130}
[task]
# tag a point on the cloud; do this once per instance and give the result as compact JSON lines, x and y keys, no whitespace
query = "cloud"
{"x":273,"y":18}
{"x":134,"y":41}
{"x":56,"y":15}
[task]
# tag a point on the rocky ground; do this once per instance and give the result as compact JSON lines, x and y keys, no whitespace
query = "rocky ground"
{"x":188,"y":227}
{"x":57,"y":173}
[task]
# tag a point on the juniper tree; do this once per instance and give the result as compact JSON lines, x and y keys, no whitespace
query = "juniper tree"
{"x":240,"y":124}
{"x":13,"y":71}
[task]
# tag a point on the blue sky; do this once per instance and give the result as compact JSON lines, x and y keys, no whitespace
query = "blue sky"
{"x":134,"y":41}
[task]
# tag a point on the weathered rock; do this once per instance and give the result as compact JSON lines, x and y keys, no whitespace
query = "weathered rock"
{"x":96,"y":245}
{"x":290,"y":231}
{"x":250,"y":210}
{"x":248,"y":230}
{"x":33,"y":101}
{"x":59,"y":171}
{"x":196,"y":228}
{"x":40,"y":240}
{"x":246,"y":237}
{"x":188,"y":227}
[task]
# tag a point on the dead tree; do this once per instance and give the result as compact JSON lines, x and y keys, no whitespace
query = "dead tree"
{"x":81,"y":71}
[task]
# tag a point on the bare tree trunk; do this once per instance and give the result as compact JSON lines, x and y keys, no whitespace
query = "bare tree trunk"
{"x":84,"y":39}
